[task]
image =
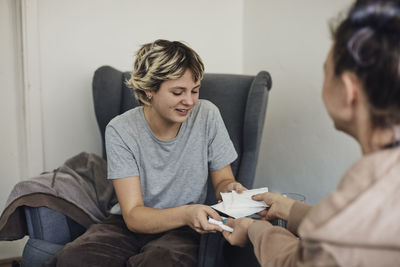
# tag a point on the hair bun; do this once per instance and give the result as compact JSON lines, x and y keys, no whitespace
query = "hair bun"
{"x":382,"y":16}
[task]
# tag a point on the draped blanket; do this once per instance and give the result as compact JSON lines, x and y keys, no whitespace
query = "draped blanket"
{"x":79,"y":189}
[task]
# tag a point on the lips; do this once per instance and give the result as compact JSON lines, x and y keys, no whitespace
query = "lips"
{"x":182,"y":112}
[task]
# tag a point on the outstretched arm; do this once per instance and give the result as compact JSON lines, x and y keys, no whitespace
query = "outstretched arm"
{"x":142,"y":219}
{"x":273,"y":245}
{"x":224,"y":181}
{"x":283,"y":208}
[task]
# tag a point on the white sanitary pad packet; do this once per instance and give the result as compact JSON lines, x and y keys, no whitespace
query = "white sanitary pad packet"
{"x":239,"y":205}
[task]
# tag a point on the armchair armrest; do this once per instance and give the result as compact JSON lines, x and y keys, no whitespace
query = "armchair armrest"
{"x":50,"y":225}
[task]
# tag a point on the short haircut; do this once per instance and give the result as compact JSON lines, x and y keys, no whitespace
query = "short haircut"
{"x":160,"y":61}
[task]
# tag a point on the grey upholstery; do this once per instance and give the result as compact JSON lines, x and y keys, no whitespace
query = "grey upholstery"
{"x":37,"y":251}
{"x":242,"y":101}
{"x":48,"y":225}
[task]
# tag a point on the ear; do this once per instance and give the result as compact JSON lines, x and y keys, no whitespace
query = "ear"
{"x":352,"y":87}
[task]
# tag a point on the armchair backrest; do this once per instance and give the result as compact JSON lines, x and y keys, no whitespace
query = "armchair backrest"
{"x":241,"y":99}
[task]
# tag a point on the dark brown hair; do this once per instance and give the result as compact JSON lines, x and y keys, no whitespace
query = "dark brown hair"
{"x":367,"y":42}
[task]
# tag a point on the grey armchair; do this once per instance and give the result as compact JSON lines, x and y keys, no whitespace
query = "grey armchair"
{"x":242,"y":101}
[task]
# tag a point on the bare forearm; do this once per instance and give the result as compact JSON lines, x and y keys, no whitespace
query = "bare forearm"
{"x":222,"y":187}
{"x":149,"y":220}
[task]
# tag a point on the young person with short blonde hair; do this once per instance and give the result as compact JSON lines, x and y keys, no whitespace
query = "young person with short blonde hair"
{"x":160,"y":155}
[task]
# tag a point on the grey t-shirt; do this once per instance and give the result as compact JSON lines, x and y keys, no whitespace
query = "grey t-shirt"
{"x":174,"y":172}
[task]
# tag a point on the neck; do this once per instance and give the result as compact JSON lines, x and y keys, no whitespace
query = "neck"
{"x":161,"y":128}
{"x":376,"y":139}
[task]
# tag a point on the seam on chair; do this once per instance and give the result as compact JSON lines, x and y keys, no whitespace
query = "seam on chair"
{"x":41,"y":250}
{"x":53,"y":179}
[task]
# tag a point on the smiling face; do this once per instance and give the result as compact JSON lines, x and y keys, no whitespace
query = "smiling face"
{"x":175,"y":99}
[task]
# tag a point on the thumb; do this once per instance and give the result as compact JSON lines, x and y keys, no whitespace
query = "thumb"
{"x":229,"y":222}
{"x":226,"y":235}
{"x":262,"y":197}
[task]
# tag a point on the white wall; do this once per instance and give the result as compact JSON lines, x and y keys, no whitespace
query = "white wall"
{"x":301,"y":151}
{"x":10,"y":103}
{"x":76,"y":37}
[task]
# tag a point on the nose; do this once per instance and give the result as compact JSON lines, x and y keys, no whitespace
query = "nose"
{"x":188,"y":99}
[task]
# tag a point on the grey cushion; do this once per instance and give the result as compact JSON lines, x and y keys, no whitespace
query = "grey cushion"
{"x":52,"y":226}
{"x":36,"y":252}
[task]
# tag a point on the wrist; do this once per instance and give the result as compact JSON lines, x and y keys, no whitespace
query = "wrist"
{"x":285,"y":212}
{"x":185,"y":209}
{"x":226,"y":186}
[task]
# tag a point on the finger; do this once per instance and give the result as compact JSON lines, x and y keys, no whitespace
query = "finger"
{"x":215,"y":228}
{"x":210,"y":227}
{"x":207,"y":226}
{"x":241,"y":187}
{"x":258,"y":197}
{"x":230,"y":222}
{"x":238,"y":187}
{"x":227,"y":235}
{"x":213,"y":214}
{"x":262,"y":213}
{"x":270,"y":216}
{"x":266,"y":197}
{"x":199,"y":230}
{"x":210,"y":231}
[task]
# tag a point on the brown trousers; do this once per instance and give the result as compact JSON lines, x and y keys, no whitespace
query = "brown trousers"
{"x":111,"y":243}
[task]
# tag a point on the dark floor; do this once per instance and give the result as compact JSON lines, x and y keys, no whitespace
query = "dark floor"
{"x":12,"y":262}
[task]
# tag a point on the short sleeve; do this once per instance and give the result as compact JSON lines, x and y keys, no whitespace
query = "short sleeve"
{"x":221,"y":151}
{"x":121,"y":161}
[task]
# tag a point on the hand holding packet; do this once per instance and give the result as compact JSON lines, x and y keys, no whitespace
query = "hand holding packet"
{"x":221,"y":224}
{"x":238,"y":205}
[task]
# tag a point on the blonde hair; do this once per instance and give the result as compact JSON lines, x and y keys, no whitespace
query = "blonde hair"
{"x":160,"y":61}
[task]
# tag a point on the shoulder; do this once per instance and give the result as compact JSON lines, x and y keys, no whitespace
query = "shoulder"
{"x":370,"y":168}
{"x":126,"y":124}
{"x":205,"y":104}
{"x":371,"y":177}
{"x":204,"y":113}
{"x":205,"y":109}
{"x":125,"y":119}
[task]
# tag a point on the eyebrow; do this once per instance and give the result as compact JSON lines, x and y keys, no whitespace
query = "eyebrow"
{"x":183,"y":88}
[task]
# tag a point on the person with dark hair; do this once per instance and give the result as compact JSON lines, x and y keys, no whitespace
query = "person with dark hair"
{"x":358,"y":223}
{"x":159,"y":157}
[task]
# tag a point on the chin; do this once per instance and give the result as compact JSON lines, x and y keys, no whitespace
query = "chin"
{"x":338,"y":126}
{"x":181,"y":120}
{"x":343,"y":128}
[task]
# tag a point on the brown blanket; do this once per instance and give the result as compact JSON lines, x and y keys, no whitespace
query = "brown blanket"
{"x":79,"y":189}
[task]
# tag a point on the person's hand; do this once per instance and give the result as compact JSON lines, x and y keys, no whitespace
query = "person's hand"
{"x":197,"y":218}
{"x":239,"y":236}
{"x":234,"y":186}
{"x":279,"y":206}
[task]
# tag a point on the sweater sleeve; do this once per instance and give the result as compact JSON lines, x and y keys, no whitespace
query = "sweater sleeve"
{"x":273,"y":245}
{"x":298,"y":211}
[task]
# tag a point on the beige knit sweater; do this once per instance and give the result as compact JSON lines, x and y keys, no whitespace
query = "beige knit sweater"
{"x":356,"y":225}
